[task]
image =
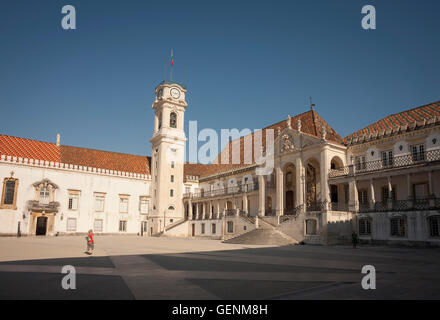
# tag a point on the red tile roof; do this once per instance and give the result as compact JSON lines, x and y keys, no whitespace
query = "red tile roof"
{"x":32,"y":149}
{"x":311,"y":124}
{"x":397,"y":120}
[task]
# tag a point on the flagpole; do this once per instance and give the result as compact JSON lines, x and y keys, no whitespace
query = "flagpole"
{"x":171,"y":69}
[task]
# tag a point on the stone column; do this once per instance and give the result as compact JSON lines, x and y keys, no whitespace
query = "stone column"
{"x":210,"y":210}
{"x":197,"y":211}
{"x":279,"y":206}
{"x":431,"y":184}
{"x":299,"y":188}
{"x":245,"y":204}
{"x":372,"y":198}
{"x":190,"y":210}
{"x":261,"y":195}
{"x":390,"y":194}
{"x":324,"y":166}
{"x":353,"y":197}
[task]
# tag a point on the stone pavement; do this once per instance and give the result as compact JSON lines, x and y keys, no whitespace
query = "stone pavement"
{"x":130,"y":267}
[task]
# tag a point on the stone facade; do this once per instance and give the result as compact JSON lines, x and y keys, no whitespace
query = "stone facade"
{"x":381,"y":182}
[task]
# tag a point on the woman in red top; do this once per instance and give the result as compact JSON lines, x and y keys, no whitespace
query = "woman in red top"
{"x":90,"y":242}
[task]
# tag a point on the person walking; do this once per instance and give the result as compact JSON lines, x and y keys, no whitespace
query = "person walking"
{"x":354,"y":239}
{"x":90,"y":242}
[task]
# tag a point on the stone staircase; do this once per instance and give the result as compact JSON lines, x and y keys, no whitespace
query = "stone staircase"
{"x":265,"y":234}
{"x":263,"y":237}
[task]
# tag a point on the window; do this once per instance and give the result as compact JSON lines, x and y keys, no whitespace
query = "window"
{"x":288,"y":179}
{"x":420,"y":191}
{"x":171,"y":193}
{"x":398,"y":227}
{"x":9,"y":195}
{"x":44,"y":195}
{"x":213,"y":228}
{"x":99,"y":202}
{"x":173,"y":120}
{"x":360,"y":162}
{"x":123,"y":204}
{"x":73,"y":200}
{"x":386,"y":194}
{"x":418,"y":152}
{"x":143,"y":205}
{"x":71,"y":224}
{"x":387,"y":158}
{"x":171,"y":208}
{"x":187,"y":189}
{"x":97,"y":226}
{"x":203,"y":228}
{"x":311,"y":227}
{"x":364,"y":226}
{"x":230,"y":227}
{"x":122,"y":225}
{"x":172,"y":178}
{"x":172,"y":164}
{"x":363,"y":196}
{"x":434,"y":226}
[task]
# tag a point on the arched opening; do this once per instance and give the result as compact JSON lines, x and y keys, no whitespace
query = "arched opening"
{"x":336,"y":163}
{"x":312,"y":185}
{"x":268,"y":210}
{"x":289,"y":188}
{"x":41,"y":226}
{"x":173,"y":120}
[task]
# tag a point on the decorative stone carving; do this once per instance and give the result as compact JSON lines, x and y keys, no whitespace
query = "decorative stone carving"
{"x":323,"y":133}
{"x":289,"y":124}
{"x":299,"y":125}
{"x":287,"y":144}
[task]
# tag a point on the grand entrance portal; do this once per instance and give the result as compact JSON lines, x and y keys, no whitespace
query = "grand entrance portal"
{"x":41,"y":226}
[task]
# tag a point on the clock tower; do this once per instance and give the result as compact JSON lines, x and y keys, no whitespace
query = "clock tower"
{"x":168,"y":153}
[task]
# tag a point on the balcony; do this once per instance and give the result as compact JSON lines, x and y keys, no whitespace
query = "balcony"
{"x":404,"y":161}
{"x":402,"y":205}
{"x":240,"y":188}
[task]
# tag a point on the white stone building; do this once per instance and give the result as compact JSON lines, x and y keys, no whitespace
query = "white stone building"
{"x":382,"y":181}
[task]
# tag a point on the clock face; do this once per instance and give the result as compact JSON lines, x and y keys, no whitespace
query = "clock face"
{"x":175,"y":93}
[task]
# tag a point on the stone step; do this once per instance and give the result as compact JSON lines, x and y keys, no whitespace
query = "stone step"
{"x":262,"y":237}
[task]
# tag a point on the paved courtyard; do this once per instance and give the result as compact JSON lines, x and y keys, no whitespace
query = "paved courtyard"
{"x":130,"y":267}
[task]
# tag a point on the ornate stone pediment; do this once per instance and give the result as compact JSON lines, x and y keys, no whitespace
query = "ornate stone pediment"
{"x":287,"y":143}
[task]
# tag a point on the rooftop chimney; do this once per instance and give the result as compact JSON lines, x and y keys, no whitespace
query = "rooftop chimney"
{"x":58,"y":139}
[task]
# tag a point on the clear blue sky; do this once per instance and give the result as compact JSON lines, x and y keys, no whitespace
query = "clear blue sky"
{"x":249,"y":64}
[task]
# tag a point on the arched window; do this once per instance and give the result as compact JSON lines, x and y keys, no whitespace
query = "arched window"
{"x":173,"y":120}
{"x":9,"y":194}
{"x":170,"y":208}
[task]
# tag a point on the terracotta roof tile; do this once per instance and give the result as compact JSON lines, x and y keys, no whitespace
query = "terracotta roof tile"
{"x":32,"y":149}
{"x":407,"y":117}
{"x":311,"y":123}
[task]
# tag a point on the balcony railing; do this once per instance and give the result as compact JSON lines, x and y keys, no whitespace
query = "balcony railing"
{"x":316,"y":206}
{"x":240,"y":188}
{"x":402,"y":205}
{"x":389,"y":163}
{"x":338,"y":206}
